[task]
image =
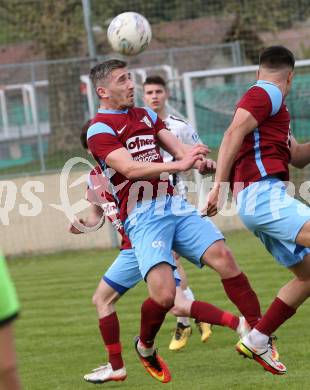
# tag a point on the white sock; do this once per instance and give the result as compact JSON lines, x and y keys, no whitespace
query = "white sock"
{"x":183,"y":320}
{"x":258,"y":339}
{"x":189,"y":295}
{"x":145,"y":352}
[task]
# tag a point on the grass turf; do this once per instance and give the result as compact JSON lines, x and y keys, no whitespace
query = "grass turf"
{"x":58,"y":339}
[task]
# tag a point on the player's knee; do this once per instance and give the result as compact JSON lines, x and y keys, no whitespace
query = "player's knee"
{"x":165,"y":299}
{"x":223,"y":262}
{"x":99,"y":300}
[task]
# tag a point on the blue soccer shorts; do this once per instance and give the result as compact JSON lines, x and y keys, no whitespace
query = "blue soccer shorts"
{"x":124,"y":272}
{"x":156,"y":227}
{"x":275,"y":217}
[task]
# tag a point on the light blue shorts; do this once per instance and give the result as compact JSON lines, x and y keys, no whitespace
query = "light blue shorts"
{"x":155,"y":227}
{"x":124,"y":272}
{"x":275,"y":217}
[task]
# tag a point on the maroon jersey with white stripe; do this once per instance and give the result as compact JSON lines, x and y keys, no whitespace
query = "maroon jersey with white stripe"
{"x":266,"y":150}
{"x":98,"y":194}
{"x":136,"y":130}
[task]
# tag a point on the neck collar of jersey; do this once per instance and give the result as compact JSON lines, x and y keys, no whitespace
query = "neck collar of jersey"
{"x":103,"y":111}
{"x":259,"y":82}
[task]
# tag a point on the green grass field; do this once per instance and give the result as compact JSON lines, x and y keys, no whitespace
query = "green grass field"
{"x":58,"y":339}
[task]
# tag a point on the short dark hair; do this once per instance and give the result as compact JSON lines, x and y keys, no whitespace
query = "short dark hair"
{"x":277,"y":57}
{"x":155,"y":80}
{"x":83,"y":135}
{"x":101,"y":71}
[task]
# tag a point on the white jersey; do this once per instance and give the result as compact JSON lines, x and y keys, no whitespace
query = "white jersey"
{"x":186,"y":134}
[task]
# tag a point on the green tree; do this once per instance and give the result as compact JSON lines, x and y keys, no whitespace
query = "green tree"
{"x":58,"y":29}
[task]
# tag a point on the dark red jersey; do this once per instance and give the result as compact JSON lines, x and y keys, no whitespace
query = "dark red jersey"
{"x":98,"y":194}
{"x":136,"y":130}
{"x":266,"y":150}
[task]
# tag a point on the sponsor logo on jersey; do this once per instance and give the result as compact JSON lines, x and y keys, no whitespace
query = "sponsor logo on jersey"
{"x":195,"y":137}
{"x":149,"y":156}
{"x":146,"y":120}
{"x":140,"y":143}
{"x":121,"y":130}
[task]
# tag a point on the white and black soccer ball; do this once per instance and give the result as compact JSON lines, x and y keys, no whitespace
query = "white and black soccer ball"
{"x":129,"y":33}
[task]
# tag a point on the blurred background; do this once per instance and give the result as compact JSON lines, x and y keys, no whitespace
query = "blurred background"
{"x":206,"y":50}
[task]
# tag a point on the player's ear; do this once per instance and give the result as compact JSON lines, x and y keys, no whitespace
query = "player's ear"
{"x":102,"y":92}
{"x":290,"y":76}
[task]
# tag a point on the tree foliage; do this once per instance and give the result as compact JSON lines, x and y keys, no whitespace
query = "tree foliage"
{"x":57,"y":28}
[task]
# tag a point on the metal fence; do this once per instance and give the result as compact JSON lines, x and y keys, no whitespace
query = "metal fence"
{"x":43,"y":104}
{"x":47,"y":49}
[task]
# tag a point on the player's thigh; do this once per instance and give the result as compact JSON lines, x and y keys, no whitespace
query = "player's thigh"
{"x":303,"y":237}
{"x":152,"y":242}
{"x":124,"y":273}
{"x":7,"y":350}
{"x":302,"y":269}
{"x":194,"y":235}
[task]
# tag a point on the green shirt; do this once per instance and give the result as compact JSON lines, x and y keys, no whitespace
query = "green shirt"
{"x":9,"y":305}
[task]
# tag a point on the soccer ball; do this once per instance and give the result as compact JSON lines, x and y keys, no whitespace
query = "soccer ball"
{"x":129,"y":33}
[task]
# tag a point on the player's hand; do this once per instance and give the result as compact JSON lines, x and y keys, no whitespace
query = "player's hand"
{"x":212,"y":205}
{"x":73,"y":226}
{"x":193,"y":154}
{"x":206,"y":166}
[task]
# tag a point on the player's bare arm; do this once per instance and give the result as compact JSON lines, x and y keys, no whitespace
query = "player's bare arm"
{"x":242,"y":124}
{"x":178,"y":149}
{"x":300,"y":153}
{"x":95,"y":219}
{"x":173,"y":145}
{"x":121,"y":160}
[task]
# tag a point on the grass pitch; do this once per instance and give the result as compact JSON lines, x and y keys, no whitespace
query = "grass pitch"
{"x":58,"y":339}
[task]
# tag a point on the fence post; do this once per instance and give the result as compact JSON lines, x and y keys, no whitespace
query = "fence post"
{"x":35,"y":116}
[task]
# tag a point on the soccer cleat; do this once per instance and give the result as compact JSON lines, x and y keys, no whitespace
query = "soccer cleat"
{"x":180,"y":337}
{"x":106,"y":373}
{"x":204,"y":330}
{"x":272,"y":345}
{"x":263,"y":356}
{"x":154,"y":365}
{"x":243,"y":328}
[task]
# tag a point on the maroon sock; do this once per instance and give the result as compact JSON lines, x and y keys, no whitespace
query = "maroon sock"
{"x":205,"y":312}
{"x":109,"y":328}
{"x":152,"y":317}
{"x":277,"y":313}
{"x":240,"y":292}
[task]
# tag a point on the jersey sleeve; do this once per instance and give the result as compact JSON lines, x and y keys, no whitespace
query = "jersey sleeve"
{"x":257,"y":102}
{"x":98,"y":188}
{"x":102,"y":140}
{"x":157,"y":122}
{"x":159,"y":125}
{"x":189,"y":135}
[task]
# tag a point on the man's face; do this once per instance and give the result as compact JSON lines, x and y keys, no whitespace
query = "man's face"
{"x":118,"y":89}
{"x":155,"y":96}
